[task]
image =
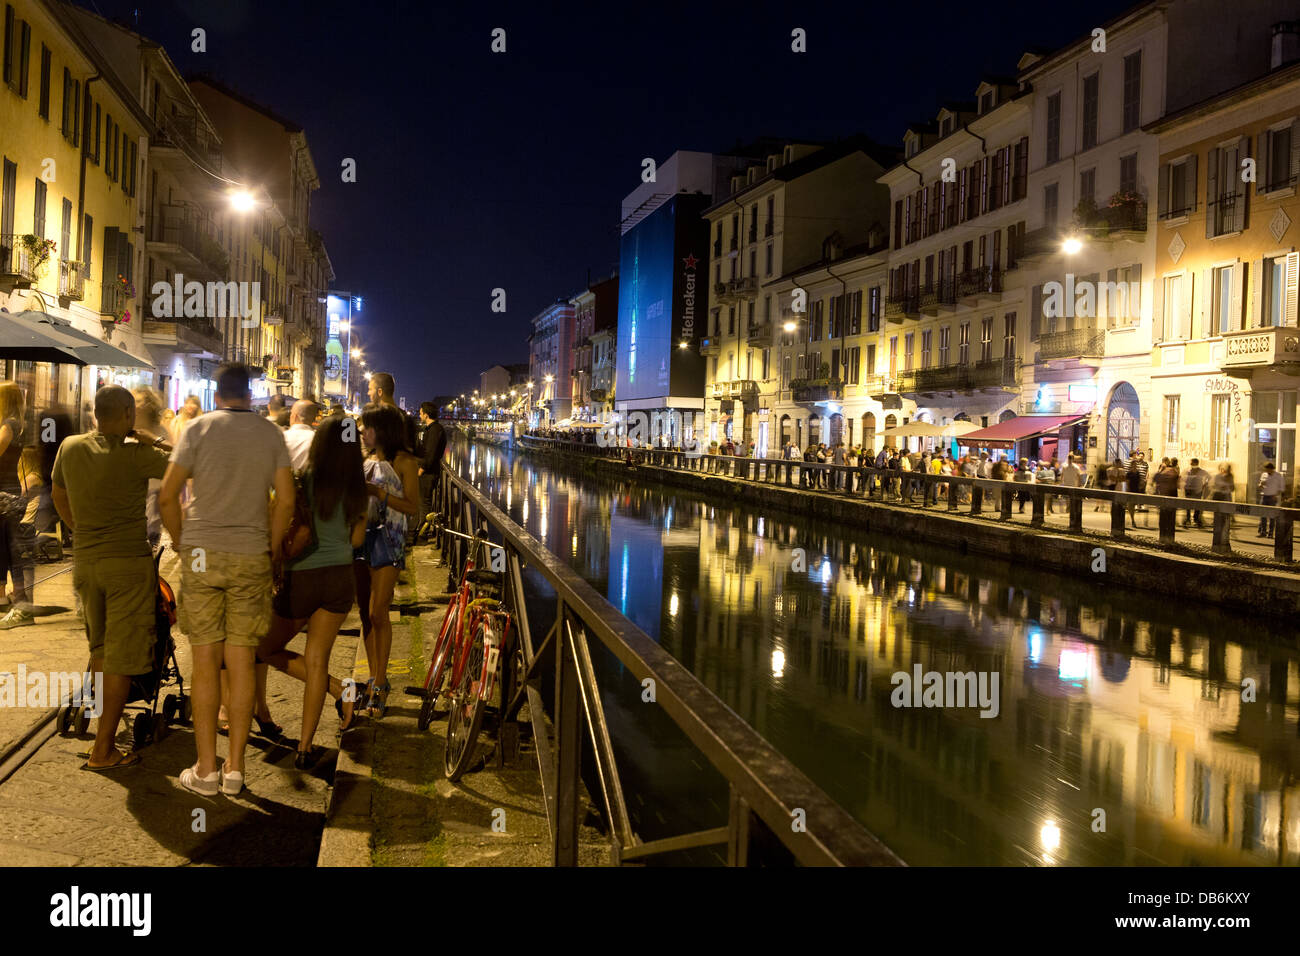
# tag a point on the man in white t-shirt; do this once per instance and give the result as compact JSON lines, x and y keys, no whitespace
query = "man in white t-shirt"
{"x":301,"y":432}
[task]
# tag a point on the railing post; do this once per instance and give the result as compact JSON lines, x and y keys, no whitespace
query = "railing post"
{"x":1116,"y":518}
{"x":568,"y":749}
{"x":1282,"y":535}
{"x":1076,"y":513}
{"x":953,"y":495}
{"x":738,"y":825}
{"x":1166,"y":522}
{"x":1221,"y":543}
{"x":976,"y":499}
{"x":1039,"y":501}
{"x":1006,"y":496}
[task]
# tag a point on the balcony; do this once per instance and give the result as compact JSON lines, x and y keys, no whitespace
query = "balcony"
{"x":274,"y":313}
{"x":179,"y":238}
{"x":1225,"y":215}
{"x":1123,"y":218}
{"x":184,"y":335}
{"x":938,"y":298}
{"x":722,"y":292}
{"x":760,"y":335}
{"x":180,"y":137}
{"x":17,"y":264}
{"x":1250,"y":349}
{"x":1072,"y":344}
{"x":113,"y":301}
{"x":597,"y":394}
{"x":710,"y":346}
{"x":743,"y":288}
{"x":817,"y":391}
{"x":72,"y":280}
{"x":767,"y":230}
{"x":994,"y":375}
{"x":900,"y":307}
{"x":746,"y":390}
{"x":979,"y":283}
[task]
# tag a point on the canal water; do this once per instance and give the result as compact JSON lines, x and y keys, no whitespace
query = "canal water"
{"x":1129,"y":729}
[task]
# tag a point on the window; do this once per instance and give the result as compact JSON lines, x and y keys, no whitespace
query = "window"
{"x":1053,"y":127}
{"x":44,"y":108}
{"x":1225,"y":193}
{"x":1175,"y":314}
{"x":815,"y":323}
{"x":986,"y":339}
{"x":1128,"y":173}
{"x":1221,"y":314}
{"x":87,"y":239}
{"x":1009,"y":335}
{"x":767,"y":363}
{"x":1177,"y":188}
{"x":1171,"y":419}
{"x":852,"y":365}
{"x":731,"y":320}
{"x":943,"y":344}
{"x":1279,"y":291}
{"x":8,"y":186}
{"x":71,"y":108}
{"x":785,"y":371}
{"x":1220,"y":421}
{"x":17,"y":51}
{"x":769,"y":259}
{"x":1088,"y":186}
{"x":855,"y":313}
{"x":1090,"y":87}
{"x":66,"y":251}
{"x":753,"y":223}
{"x":1132,"y":90}
{"x":925,"y":348}
{"x":1123,"y":296}
{"x":963,"y":344}
{"x":1276,"y":149}
{"x":771,"y":215}
{"x":908,"y":339}
{"x":873,"y":309}
{"x":753,"y":261}
{"x":893,"y":355}
{"x":1050,"y":204}
{"x":987,"y":100}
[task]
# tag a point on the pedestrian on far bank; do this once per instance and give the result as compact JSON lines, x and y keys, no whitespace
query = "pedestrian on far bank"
{"x":225,"y":539}
{"x":1196,"y":485}
{"x":1136,"y":476}
{"x":1270,"y":488}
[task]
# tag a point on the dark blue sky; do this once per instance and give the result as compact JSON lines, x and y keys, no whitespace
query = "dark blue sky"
{"x":478,"y":170}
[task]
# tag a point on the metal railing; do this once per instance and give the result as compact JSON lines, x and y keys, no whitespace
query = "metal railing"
{"x":177,"y":225}
{"x":72,"y":280}
{"x":16,"y":259}
{"x":766,"y":790}
{"x":986,"y":497}
{"x":995,"y":373}
{"x":1072,"y":343}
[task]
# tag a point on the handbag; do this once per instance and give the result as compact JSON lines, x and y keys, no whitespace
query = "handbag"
{"x":300,"y":539}
{"x":380,"y":549}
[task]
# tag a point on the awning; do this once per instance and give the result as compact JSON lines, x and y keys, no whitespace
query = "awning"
{"x":914,"y":430}
{"x":1006,"y":434}
{"x":77,"y":347}
{"x":26,"y":341}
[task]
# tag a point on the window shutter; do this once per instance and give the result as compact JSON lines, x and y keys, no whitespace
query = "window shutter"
{"x":1263,"y":175}
{"x":1238,"y":287}
{"x":24,"y":58}
{"x":1239,"y":212}
{"x":1294,"y":171}
{"x":1185,"y":305}
{"x":1158,"y":309}
{"x":1204,"y":306}
{"x":1292,"y":288}
{"x":1189,"y":196}
{"x":1211,"y":190}
{"x":1162,"y":191}
{"x":108,"y":269}
{"x":8,"y":43}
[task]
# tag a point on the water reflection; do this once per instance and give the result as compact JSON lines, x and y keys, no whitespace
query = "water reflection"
{"x":1129,"y":731}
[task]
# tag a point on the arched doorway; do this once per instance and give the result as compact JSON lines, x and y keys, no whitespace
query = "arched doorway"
{"x":1123,"y":413}
{"x":785,"y":432}
{"x":1006,"y":416}
{"x":837,"y":430}
{"x":891,"y":421}
{"x":814,"y":429}
{"x":869,"y":430}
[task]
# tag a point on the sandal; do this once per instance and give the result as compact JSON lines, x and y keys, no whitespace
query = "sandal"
{"x":124,"y":760}
{"x":352,"y":696}
{"x":269,"y":730}
{"x":379,"y":699}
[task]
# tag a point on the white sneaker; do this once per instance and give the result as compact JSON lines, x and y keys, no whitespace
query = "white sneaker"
{"x":207,"y":786}
{"x":232,"y":781}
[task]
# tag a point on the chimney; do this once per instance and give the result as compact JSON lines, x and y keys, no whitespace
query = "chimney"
{"x":1285,"y":43}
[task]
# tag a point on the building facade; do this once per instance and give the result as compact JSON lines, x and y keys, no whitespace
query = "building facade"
{"x":551,"y":353}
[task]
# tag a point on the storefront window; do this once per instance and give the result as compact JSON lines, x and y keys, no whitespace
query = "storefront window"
{"x":1220,"y":416}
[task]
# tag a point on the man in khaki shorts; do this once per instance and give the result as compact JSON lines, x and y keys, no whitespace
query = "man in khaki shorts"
{"x":235,"y":458}
{"x":98,"y":485}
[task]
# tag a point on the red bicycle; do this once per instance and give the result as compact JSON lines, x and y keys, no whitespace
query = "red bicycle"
{"x":466,"y":657}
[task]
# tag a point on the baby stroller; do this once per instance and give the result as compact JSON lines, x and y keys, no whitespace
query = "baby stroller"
{"x":152,"y":722}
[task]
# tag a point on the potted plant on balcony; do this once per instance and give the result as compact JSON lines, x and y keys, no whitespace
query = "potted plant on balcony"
{"x":38,"y":252}
{"x":1126,"y":208}
{"x":123,"y":294}
{"x":1088,"y":217}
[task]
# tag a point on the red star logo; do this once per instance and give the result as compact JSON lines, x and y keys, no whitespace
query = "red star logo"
{"x":690,"y":262}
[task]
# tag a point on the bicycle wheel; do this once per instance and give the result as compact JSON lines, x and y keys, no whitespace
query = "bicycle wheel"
{"x":467,"y":705}
{"x":434,"y":680}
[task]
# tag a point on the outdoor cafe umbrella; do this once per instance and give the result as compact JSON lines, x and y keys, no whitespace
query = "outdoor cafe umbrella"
{"x":957,"y":429}
{"x":40,"y":337}
{"x":914,"y":430}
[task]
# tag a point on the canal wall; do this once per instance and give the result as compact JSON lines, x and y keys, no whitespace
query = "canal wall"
{"x":1254,"y":590}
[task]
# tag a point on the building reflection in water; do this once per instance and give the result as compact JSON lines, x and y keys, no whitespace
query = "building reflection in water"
{"x":1122,"y":735}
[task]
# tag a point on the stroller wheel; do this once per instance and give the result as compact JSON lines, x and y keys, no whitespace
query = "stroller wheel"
{"x":142,"y":730}
{"x":64,"y":720}
{"x":80,"y":721}
{"x":170,"y":706}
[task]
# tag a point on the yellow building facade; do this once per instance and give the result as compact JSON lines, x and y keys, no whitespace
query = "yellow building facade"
{"x":1226,"y":359}
{"x":72,"y":145}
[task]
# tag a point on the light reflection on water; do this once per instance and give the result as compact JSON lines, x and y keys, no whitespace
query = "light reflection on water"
{"x":1122,"y":736}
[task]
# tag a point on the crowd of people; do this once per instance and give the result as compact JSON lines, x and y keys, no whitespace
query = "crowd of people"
{"x":281,"y":523}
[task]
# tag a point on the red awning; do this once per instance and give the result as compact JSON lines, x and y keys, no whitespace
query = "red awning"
{"x":1006,"y":434}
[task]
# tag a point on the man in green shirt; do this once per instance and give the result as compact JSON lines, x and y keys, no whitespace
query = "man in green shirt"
{"x":99,"y":483}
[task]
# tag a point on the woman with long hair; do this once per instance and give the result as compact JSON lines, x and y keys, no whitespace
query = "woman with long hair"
{"x":393,"y":483}
{"x":318,"y":589}
{"x":15,"y":555}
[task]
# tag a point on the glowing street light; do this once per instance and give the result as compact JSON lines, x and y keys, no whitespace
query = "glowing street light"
{"x":1071,"y":246}
{"x":242,"y":201}
{"x":356,"y":353}
{"x":790,"y":325}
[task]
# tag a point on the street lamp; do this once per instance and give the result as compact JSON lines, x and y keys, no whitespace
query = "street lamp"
{"x":1071,"y":245}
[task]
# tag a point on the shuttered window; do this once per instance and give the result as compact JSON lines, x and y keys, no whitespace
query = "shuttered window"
{"x":1132,"y":104}
{"x":1091,"y":85}
{"x":1176,"y":191}
{"x":1054,"y":127}
{"x":46,"y":66}
{"x":1225,"y":193}
{"x":38,"y":210}
{"x":1279,"y":158}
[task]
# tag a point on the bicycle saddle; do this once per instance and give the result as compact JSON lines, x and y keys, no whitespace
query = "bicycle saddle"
{"x":485,"y":579}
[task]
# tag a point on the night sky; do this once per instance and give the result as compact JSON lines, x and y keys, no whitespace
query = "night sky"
{"x":478,"y":170}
